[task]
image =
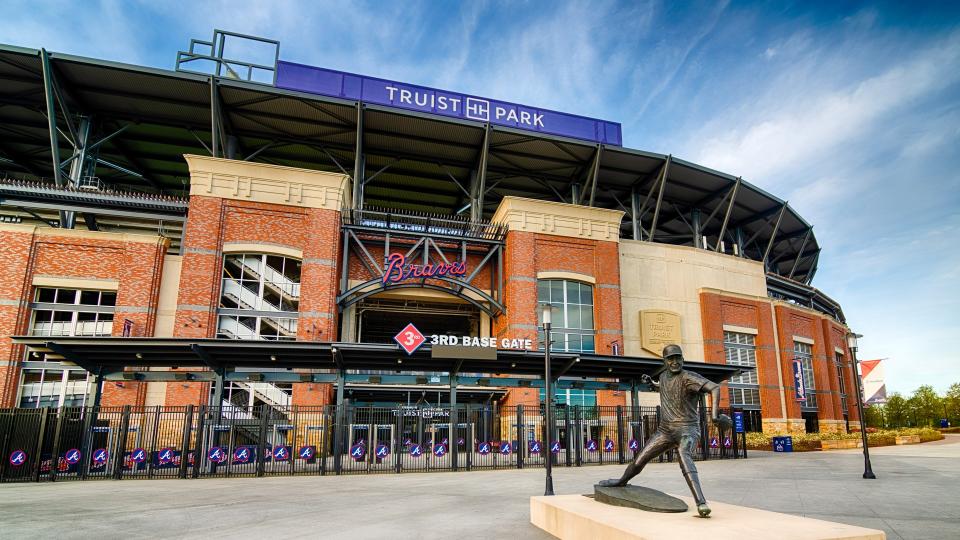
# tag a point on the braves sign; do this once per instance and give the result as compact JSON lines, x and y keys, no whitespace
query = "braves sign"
{"x":800,"y":388}
{"x":398,"y":270}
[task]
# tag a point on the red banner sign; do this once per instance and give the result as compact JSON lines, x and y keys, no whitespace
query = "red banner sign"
{"x":398,"y":270}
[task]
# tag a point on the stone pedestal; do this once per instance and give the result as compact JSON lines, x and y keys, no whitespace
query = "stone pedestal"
{"x":577,"y":517}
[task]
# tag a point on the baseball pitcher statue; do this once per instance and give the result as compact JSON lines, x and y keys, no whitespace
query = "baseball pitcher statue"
{"x":679,"y":422}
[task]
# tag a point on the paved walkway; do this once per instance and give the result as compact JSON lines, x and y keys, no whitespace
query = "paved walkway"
{"x":916,"y":495}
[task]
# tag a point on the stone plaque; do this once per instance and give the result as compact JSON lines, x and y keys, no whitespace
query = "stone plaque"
{"x":658,"y":328}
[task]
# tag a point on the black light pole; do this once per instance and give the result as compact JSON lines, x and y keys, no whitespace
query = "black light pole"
{"x":852,"y":344}
{"x":548,"y":399}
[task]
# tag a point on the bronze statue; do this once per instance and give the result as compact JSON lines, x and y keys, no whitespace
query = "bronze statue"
{"x":679,"y":422}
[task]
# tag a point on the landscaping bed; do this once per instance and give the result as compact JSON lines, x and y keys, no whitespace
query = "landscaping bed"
{"x":808,"y":442}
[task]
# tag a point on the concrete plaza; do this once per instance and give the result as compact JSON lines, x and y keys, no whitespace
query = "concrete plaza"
{"x":916,"y":495}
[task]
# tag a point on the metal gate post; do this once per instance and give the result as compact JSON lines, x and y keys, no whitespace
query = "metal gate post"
{"x":37,"y":462}
{"x":566,"y":431}
{"x":338,"y":424}
{"x":397,"y":438}
{"x":704,"y":436}
{"x":185,"y":441}
{"x":620,"y":434}
{"x":55,"y":455}
{"x":468,"y":443}
{"x":153,"y":441}
{"x":578,"y":418}
{"x":452,"y":428}
{"x":200,"y":449}
{"x":518,"y":449}
{"x":85,"y":441}
{"x":121,"y":443}
{"x":262,"y":446}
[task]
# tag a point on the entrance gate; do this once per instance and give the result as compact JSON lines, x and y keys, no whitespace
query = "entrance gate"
{"x":80,"y":443}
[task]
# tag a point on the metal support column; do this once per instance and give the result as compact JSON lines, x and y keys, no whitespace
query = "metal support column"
{"x":358,"y":162}
{"x":635,"y":213}
{"x":476,"y":202}
{"x":697,"y":232}
{"x":773,"y":235}
{"x":452,"y":427}
{"x":338,"y":424}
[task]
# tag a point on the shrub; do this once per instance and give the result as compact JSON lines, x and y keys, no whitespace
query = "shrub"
{"x":805,"y":442}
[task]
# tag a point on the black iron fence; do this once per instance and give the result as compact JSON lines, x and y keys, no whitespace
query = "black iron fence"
{"x":80,"y":443}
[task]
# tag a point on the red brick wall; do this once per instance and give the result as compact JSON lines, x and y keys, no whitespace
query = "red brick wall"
{"x":312,"y":394}
{"x":795,"y":322}
{"x":527,"y":254}
{"x":137,"y":266}
{"x":717,"y":310}
{"x":212,"y":223}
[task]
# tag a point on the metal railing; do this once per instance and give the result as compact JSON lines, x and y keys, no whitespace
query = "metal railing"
{"x":80,"y":443}
{"x":441,"y":225}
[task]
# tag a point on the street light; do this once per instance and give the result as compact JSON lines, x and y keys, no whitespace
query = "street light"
{"x":852,"y":344}
{"x":548,"y":398}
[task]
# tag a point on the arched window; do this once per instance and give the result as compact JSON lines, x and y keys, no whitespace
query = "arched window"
{"x":259,"y":297}
{"x":571,"y":314}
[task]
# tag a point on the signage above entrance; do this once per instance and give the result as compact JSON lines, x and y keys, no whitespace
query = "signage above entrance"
{"x":328,"y":82}
{"x":398,"y":270}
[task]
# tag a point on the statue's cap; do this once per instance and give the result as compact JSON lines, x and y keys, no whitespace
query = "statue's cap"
{"x":672,"y":350}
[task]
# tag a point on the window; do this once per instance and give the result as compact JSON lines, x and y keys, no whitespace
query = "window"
{"x":259,"y":297}
{"x":63,"y":312}
{"x":573,"y":396}
{"x":571,"y":314}
{"x":741,"y":350}
{"x":838,"y":362}
{"x":804,"y":353}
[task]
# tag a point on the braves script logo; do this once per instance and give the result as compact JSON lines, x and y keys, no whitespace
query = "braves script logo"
{"x":18,"y":458}
{"x":398,"y":270}
{"x":555,"y":447}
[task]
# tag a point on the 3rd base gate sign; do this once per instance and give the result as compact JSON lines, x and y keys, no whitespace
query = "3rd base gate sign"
{"x":410,"y":339}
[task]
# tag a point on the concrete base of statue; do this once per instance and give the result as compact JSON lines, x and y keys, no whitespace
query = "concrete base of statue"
{"x":572,"y":517}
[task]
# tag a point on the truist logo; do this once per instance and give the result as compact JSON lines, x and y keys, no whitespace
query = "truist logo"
{"x":398,"y":270}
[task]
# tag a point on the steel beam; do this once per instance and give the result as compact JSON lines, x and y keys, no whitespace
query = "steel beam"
{"x":726,"y":216}
{"x":773,"y":235}
{"x":476,"y":204}
{"x":595,"y":174}
{"x":663,"y":186}
{"x":48,"y":88}
{"x":803,"y":245}
{"x":635,"y":214}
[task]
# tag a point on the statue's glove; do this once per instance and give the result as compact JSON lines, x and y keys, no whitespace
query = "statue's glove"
{"x":724,"y":422}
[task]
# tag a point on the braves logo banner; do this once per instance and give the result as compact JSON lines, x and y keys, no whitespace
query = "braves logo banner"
{"x":328,"y":82}
{"x":800,"y":388}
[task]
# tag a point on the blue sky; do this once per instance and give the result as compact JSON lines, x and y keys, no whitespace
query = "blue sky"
{"x":849,"y":111}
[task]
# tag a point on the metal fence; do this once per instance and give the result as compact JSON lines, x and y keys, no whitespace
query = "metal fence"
{"x":81,"y":443}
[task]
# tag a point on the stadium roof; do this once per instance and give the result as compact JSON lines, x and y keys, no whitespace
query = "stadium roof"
{"x":145,"y":119}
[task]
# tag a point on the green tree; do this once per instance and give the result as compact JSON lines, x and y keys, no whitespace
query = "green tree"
{"x":896,"y":410}
{"x":926,"y":406}
{"x":951,"y":403}
{"x":874,"y":415}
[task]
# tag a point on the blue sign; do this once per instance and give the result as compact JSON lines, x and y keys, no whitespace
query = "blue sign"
{"x":440,"y":450}
{"x":100,"y":456}
{"x":783,"y":444}
{"x":505,"y":448}
{"x":407,"y":441}
{"x":328,"y":82}
{"x":221,"y":428}
{"x":633,"y":445}
{"x":534,"y":447}
{"x":72,"y":456}
{"x":281,"y":453}
{"x":608,"y":445}
{"x":307,"y":452}
{"x":591,"y":445}
{"x":727,"y":443}
{"x":483,"y":448}
{"x":555,"y":447}
{"x":165,"y":456}
{"x":18,"y":458}
{"x":382,"y":451}
{"x":100,"y":429}
{"x":357,"y":451}
{"x":242,"y":454}
{"x":738,"y":421}
{"x":799,"y":386}
{"x":416,"y":450}
{"x":217,"y":455}
{"x":714,"y":442}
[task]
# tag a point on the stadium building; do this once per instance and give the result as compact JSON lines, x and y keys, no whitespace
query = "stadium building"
{"x":263,"y":234}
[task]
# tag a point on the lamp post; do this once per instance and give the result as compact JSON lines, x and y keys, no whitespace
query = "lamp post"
{"x":852,"y":344}
{"x":548,"y":398}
